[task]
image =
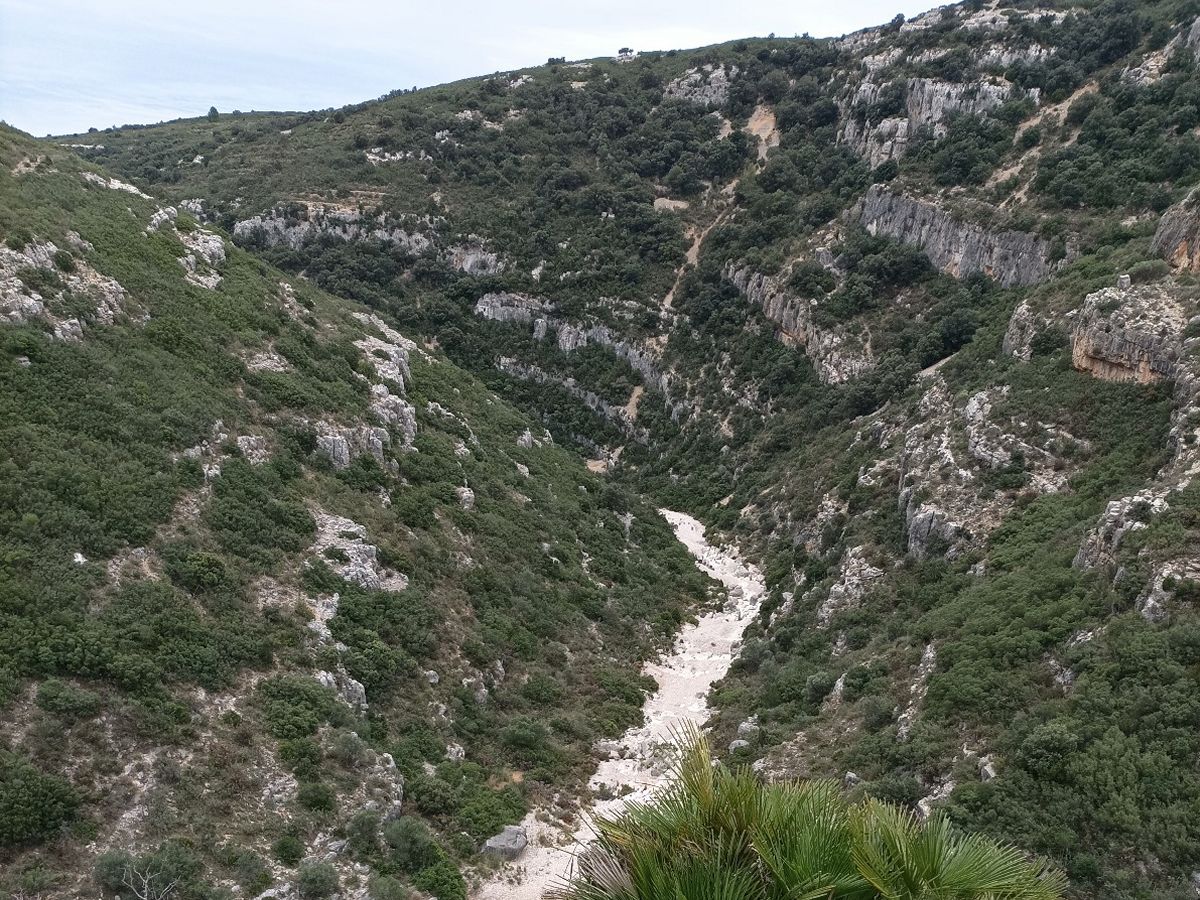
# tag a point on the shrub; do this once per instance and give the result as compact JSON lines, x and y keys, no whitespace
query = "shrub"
{"x":66,"y":700}
{"x":412,"y":845}
{"x":383,"y":887}
{"x":443,"y":880}
{"x":315,"y":796}
{"x":33,"y":805}
{"x":288,"y":849}
{"x":316,"y":881}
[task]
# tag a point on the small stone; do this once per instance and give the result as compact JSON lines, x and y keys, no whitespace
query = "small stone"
{"x":79,"y":559}
{"x":432,"y":677}
{"x":734,"y":746}
{"x":1124,"y":282}
{"x":748,"y":728}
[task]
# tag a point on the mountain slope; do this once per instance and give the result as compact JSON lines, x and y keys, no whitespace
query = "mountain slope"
{"x":913,"y":313}
{"x":274,"y":575}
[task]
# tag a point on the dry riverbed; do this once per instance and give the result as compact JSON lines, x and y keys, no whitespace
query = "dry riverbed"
{"x":636,"y":764}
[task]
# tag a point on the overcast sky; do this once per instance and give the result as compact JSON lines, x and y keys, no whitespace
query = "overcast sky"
{"x":66,"y":65}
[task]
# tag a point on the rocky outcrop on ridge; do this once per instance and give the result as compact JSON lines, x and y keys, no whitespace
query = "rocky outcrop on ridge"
{"x":1130,"y":333}
{"x":956,"y":247}
{"x":296,"y":224}
{"x":1177,"y":238}
{"x":522,"y":309}
{"x":838,"y":358}
{"x":706,"y":86}
{"x":929,"y":103}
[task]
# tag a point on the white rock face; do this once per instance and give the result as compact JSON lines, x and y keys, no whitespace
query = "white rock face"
{"x":295,"y":225}
{"x":929,"y":103}
{"x":958,"y":248}
{"x":343,"y":443}
{"x":1131,"y":333}
{"x":917,"y":692}
{"x":707,"y":86}
{"x":206,"y":253}
{"x":1119,"y":518}
{"x":253,"y":448}
{"x":855,"y":580}
{"x":113,"y":184}
{"x":352,"y":557}
{"x":21,"y":303}
{"x":837,"y":357}
{"x":523,"y":309}
{"x":1022,"y":328}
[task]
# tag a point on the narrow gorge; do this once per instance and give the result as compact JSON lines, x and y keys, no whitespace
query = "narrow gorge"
{"x":635,"y":766}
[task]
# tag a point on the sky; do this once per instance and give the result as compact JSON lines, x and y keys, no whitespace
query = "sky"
{"x":67,"y":65}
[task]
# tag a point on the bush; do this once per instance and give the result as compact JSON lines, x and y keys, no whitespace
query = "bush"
{"x":382,"y":887}
{"x":315,"y":796}
{"x":412,"y":846}
{"x":66,"y":700}
{"x":443,"y":880}
{"x":316,"y":881}
{"x":33,"y":806}
{"x":288,"y":849}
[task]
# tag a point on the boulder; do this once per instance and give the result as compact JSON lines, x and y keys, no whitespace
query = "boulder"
{"x":508,"y":844}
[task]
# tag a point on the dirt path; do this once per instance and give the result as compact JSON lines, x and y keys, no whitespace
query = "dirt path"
{"x":702,"y":654}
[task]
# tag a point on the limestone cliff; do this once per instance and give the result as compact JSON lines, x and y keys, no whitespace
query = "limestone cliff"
{"x":836,"y":357}
{"x":957,"y":247}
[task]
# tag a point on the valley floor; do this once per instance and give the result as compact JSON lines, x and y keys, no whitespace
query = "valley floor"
{"x":639,"y":762}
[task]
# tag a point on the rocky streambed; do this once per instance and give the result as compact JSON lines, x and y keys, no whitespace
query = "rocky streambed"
{"x":637,"y":764}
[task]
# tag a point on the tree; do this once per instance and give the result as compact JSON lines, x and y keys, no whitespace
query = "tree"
{"x":213,"y":114}
{"x":149,"y":882}
{"x":720,"y":832}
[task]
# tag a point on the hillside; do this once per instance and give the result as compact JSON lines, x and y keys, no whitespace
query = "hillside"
{"x":271,"y":568}
{"x":912,"y":314}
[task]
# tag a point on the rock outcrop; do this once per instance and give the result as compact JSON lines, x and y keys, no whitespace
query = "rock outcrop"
{"x":956,"y":247}
{"x":1132,"y":333}
{"x":522,"y":309}
{"x":37,"y":281}
{"x":707,"y":86}
{"x":617,"y":415}
{"x":929,"y":103}
{"x":297,"y":224}
{"x":1022,"y":328}
{"x":1177,"y":238}
{"x":508,"y":844}
{"x":342,"y":544}
{"x":853,"y":583}
{"x":836,"y":357}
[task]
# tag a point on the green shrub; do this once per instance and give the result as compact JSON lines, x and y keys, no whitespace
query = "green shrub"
{"x":316,"y":881}
{"x":33,"y":806}
{"x":412,"y":846}
{"x":315,"y":796}
{"x":443,"y":880}
{"x":383,"y":887}
{"x":66,"y":700}
{"x":288,"y":849}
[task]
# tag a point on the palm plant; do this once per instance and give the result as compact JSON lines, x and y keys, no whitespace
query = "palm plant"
{"x":720,"y":834}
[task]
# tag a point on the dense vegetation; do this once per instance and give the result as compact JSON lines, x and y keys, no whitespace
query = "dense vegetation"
{"x":556,"y":170}
{"x":156,"y":601}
